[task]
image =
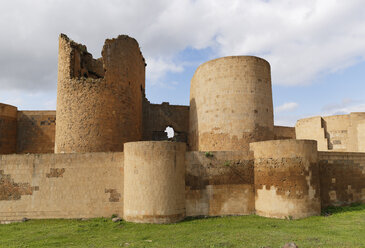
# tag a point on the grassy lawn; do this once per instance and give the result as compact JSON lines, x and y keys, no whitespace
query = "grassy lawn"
{"x":344,"y":227}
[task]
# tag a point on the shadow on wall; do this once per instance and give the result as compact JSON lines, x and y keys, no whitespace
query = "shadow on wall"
{"x":36,"y":131}
{"x":219,"y":183}
{"x":158,"y":117}
{"x":193,"y":141}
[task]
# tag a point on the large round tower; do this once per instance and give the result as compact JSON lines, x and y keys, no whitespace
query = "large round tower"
{"x":99,"y":102}
{"x":230,"y":104}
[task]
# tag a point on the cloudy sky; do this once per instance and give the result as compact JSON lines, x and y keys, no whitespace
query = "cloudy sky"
{"x":316,"y":48}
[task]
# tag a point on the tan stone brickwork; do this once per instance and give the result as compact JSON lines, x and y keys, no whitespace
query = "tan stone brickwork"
{"x":43,"y":186}
{"x":281,"y":132}
{"x":286,"y":178}
{"x":343,"y":133}
{"x":99,"y":109}
{"x":219,"y":183}
{"x":230,"y":104}
{"x":8,"y":122}
{"x":342,"y":178}
{"x":36,"y":131}
{"x":154,"y":181}
{"x":156,"y":117}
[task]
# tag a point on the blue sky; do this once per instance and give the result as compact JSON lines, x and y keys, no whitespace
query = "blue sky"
{"x":316,"y":48}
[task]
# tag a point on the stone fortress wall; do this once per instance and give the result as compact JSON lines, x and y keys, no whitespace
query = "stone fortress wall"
{"x":345,"y":133}
{"x":286,"y":178}
{"x":226,"y":158}
{"x":36,"y":131}
{"x":26,"y":131}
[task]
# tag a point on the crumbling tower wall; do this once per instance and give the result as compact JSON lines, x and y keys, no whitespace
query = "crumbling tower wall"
{"x":8,"y":123}
{"x":154,"y":181}
{"x":230,"y":104}
{"x":286,"y":176}
{"x":99,"y":101}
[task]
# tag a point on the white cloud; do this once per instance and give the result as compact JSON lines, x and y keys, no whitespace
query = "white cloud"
{"x":301,"y":39}
{"x":286,"y":107}
{"x":346,"y":106}
{"x":158,"y":69}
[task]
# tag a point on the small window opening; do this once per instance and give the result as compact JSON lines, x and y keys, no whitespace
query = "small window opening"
{"x":170,"y":132}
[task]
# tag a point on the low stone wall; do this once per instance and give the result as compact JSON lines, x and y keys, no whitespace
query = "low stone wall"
{"x":41,"y":186}
{"x":342,"y":178}
{"x":219,"y":183}
{"x":86,"y":185}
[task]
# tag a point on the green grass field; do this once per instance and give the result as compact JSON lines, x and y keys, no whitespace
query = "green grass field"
{"x":344,"y":227}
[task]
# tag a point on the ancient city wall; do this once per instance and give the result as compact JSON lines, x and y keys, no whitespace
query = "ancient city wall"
{"x":36,"y":131}
{"x":99,"y":102}
{"x":8,"y":122}
{"x":356,"y":131}
{"x":156,"y":117}
{"x":312,"y":128}
{"x":343,"y":133}
{"x":40,"y":186}
{"x":336,"y":131}
{"x":286,"y":178}
{"x":281,"y":179}
{"x":281,"y":132}
{"x":342,"y":178}
{"x":230,"y":104}
{"x":219,"y":183}
{"x":154,"y":190}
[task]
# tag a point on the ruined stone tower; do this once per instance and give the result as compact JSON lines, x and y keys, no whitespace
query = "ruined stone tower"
{"x":99,"y":101}
{"x":230,"y":104}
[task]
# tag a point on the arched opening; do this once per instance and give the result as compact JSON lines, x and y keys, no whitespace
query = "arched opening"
{"x":169,"y":132}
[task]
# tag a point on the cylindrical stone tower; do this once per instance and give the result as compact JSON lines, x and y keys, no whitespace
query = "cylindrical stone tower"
{"x":230,"y":104}
{"x":8,"y":126}
{"x":99,"y":102}
{"x":154,"y":181}
{"x":286,"y":177}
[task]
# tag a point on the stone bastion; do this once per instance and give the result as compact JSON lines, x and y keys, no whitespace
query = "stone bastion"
{"x":104,"y":151}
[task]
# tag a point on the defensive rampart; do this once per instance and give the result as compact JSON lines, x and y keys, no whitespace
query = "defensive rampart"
{"x":342,"y":178}
{"x":36,"y":131}
{"x":230,"y":104}
{"x":286,"y":178}
{"x":99,"y":102}
{"x":154,"y":183}
{"x":43,"y":186}
{"x":283,"y":183}
{"x":343,"y":133}
{"x":219,"y":183}
{"x":156,"y":117}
